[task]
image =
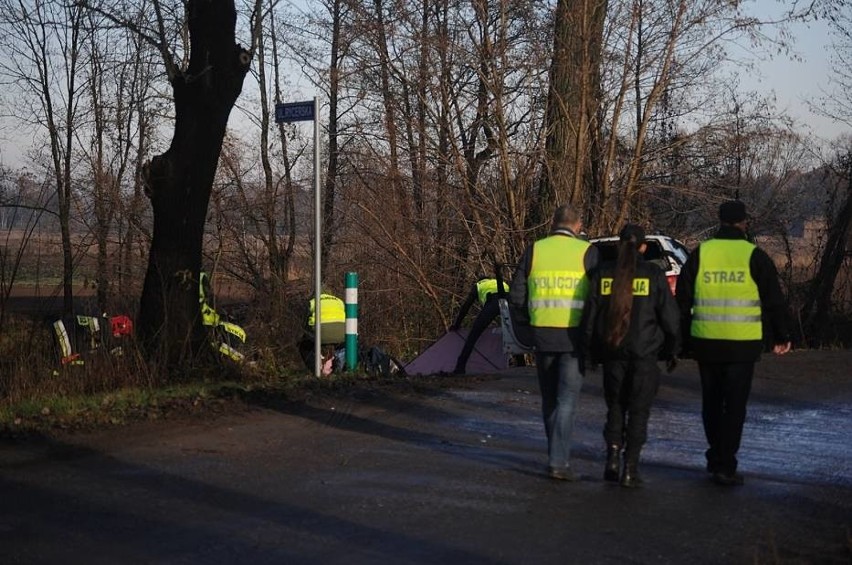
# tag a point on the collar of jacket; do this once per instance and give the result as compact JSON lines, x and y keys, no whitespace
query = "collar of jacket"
{"x":730,"y":232}
{"x":563,"y":231}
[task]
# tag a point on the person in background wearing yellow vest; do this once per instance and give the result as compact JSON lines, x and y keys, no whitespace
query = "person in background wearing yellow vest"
{"x":731,"y":305}
{"x":550,"y":286}
{"x":332,"y":326}
{"x":484,"y":291}
{"x":630,"y":321}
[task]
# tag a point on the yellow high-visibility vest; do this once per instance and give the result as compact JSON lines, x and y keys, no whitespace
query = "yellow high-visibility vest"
{"x":557,"y":283}
{"x":727,"y":301}
{"x":486,"y":287}
{"x":332,"y":309}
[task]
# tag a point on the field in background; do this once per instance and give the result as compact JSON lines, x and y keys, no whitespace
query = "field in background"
{"x":36,"y":281}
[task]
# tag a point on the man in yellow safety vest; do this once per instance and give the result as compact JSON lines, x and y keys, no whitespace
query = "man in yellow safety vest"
{"x":731,"y":304}
{"x":332,"y":327}
{"x":550,"y":286}
{"x":486,"y":292}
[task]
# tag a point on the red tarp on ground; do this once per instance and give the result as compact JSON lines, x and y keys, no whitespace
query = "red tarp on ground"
{"x":441,"y":356}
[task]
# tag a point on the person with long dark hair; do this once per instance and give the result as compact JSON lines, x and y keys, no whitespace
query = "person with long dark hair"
{"x":630,"y":321}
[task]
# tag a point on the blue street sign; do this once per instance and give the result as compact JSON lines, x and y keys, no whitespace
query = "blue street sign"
{"x":294,"y":111}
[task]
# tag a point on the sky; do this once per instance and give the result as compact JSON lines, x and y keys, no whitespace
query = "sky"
{"x":793,"y":83}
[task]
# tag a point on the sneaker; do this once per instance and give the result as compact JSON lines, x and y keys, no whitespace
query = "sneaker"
{"x":562,"y":474}
{"x":728,"y":479}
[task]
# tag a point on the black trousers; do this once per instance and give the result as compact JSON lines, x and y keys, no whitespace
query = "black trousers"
{"x":629,"y":390}
{"x":725,"y":388}
{"x":489,"y":312}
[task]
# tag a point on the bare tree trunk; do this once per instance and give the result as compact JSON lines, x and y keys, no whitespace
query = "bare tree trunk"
{"x":278,"y":254}
{"x":389,"y":101}
{"x":134,"y":207}
{"x":817,"y":307}
{"x":179,"y":182}
{"x":644,"y":114}
{"x":62,"y":162}
{"x":12,"y":255}
{"x":105,"y":182}
{"x":572,"y":106}
{"x":443,"y":228}
{"x":330,"y":192}
{"x":138,"y":120}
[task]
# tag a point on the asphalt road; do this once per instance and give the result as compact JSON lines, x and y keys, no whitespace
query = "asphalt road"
{"x":441,"y":475}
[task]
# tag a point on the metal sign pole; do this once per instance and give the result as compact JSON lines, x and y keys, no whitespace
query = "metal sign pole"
{"x":302,"y":112}
{"x":317,"y":246}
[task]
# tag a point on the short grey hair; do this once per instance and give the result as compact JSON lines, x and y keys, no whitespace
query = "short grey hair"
{"x":565,"y":216}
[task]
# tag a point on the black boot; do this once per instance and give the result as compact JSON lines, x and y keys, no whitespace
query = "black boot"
{"x":613,"y":462}
{"x":631,"y":478}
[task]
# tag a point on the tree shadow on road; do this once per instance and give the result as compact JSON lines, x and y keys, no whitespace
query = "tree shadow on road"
{"x":62,"y":500}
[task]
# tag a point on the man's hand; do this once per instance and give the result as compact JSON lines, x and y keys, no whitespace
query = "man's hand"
{"x":781,"y":348}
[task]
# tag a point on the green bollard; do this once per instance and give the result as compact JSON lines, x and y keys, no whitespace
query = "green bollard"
{"x":351,"y":301}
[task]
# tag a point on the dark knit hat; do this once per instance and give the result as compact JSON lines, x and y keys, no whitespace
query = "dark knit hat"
{"x":732,"y":212}
{"x":632,"y":232}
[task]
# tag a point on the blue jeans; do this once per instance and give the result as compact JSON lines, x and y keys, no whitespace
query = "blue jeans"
{"x":559,"y":380}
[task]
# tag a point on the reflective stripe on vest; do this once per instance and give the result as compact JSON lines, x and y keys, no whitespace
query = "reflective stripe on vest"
{"x":727,"y":302}
{"x":332,"y":309}
{"x":557,"y":283}
{"x":486,"y":287}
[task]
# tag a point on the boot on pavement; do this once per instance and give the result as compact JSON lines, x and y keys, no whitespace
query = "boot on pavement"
{"x":613,"y":462}
{"x":630,"y":478}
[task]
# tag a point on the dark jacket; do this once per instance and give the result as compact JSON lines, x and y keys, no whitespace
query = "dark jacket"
{"x":553,"y":340}
{"x":775,"y":316}
{"x":654,"y":330}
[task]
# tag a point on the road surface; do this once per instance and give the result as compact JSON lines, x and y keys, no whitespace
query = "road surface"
{"x":430,"y":474}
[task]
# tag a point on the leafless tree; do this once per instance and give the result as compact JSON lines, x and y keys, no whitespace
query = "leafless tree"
{"x":449,"y":132}
{"x":837,"y":105}
{"x":106,"y":137}
{"x":463,"y":82}
{"x":206,"y":73}
{"x":146,"y":110}
{"x":816,"y":310}
{"x":267,"y":200}
{"x":21,"y":214}
{"x":43,"y":60}
{"x":837,"y":102}
{"x":670,"y":76}
{"x":573,"y":102}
